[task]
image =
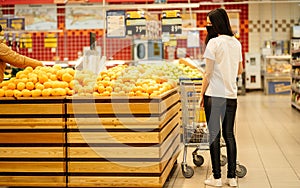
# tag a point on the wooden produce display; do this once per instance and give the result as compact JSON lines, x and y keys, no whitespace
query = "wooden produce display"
{"x":32,"y":142}
{"x":122,"y":142}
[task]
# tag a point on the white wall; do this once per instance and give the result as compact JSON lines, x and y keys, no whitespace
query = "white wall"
{"x":271,"y":22}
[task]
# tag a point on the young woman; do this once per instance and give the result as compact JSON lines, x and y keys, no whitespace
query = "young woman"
{"x":223,"y":56}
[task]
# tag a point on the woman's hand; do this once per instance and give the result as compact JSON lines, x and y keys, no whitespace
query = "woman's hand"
{"x":201,"y":101}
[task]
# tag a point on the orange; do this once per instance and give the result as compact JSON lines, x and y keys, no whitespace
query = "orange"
{"x":36,"y":93}
{"x":26,"y":93}
{"x":33,"y":79}
{"x":17,"y":93}
{"x":70,"y":71}
{"x":39,"y":86}
{"x":48,"y":84}
{"x":11,"y":86}
{"x":30,"y":85}
{"x":9,"y":93}
{"x":67,"y":77}
{"x":101,"y":88}
{"x":46,"y":92}
{"x":2,"y":92}
{"x":53,"y":77}
{"x":43,"y":78}
{"x":109,"y":89}
{"x":60,"y":73}
{"x":57,"y":67}
{"x":29,"y":69}
{"x":21,"y":86}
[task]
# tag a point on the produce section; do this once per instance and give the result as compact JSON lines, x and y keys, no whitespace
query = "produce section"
{"x":62,"y":127}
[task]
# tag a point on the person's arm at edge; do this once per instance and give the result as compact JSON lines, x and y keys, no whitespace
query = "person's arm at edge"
{"x":11,"y":57}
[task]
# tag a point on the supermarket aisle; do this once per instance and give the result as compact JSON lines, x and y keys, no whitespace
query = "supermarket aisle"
{"x":268,"y":130}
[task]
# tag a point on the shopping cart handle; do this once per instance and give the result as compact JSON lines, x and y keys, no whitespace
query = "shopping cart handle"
{"x":191,"y":79}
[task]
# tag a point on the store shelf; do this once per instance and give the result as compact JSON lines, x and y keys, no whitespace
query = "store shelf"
{"x":295,"y":76}
{"x":295,"y":89}
{"x":295,"y":105}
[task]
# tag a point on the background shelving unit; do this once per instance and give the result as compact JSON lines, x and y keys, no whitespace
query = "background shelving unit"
{"x":276,"y":72}
{"x":295,"y":72}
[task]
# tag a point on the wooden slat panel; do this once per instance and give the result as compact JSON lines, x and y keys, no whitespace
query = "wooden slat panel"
{"x":45,"y":181}
{"x":168,"y":169}
{"x":112,"y":108}
{"x":168,"y":128}
{"x":123,"y":122}
{"x":107,"y":181}
{"x":32,"y":166}
{"x":32,"y":123}
{"x":32,"y":137}
{"x":113,"y":152}
{"x":32,"y":152}
{"x":114,"y":167}
{"x":165,"y":104}
{"x":18,"y":109}
{"x":113,"y":137}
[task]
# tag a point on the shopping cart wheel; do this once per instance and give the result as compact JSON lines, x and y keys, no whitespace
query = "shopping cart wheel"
{"x":187,"y":171}
{"x":241,"y":171}
{"x":198,"y":160}
{"x":223,"y":160}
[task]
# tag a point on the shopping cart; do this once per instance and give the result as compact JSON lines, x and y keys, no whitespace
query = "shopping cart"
{"x":194,"y":127}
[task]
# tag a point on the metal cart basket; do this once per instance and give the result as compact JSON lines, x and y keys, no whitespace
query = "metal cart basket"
{"x":194,"y":128}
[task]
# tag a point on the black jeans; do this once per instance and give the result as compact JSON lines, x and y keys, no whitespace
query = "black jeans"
{"x":223,"y":110}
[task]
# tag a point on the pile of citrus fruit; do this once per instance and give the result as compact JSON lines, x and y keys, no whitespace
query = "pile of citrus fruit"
{"x":121,"y":80}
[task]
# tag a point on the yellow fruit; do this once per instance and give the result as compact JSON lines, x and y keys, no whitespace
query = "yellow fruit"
{"x":26,"y":93}
{"x":30,"y":85}
{"x":57,"y":67}
{"x":109,"y":89}
{"x":70,"y":71}
{"x":39,"y":86}
{"x":48,"y":84}
{"x":9,"y":93}
{"x":36,"y":93}
{"x":43,"y":78}
{"x":21,"y":86}
{"x":46,"y":92}
{"x":2,"y":92}
{"x":53,"y":77}
{"x":101,"y":88}
{"x":11,"y":86}
{"x":60,"y":73}
{"x":67,"y":77}
{"x":29,"y":69}
{"x":17,"y":93}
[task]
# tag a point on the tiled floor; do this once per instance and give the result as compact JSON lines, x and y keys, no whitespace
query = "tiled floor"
{"x":268,"y":138}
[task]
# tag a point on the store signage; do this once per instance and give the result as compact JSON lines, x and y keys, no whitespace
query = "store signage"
{"x":50,"y":41}
{"x":172,"y":25}
{"x":135,"y":23}
{"x":136,"y":26}
{"x":171,"y":22}
{"x":115,"y":23}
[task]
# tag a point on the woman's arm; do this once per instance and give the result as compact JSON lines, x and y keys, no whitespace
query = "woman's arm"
{"x":241,"y":69}
{"x":209,"y":67}
{"x":9,"y":56}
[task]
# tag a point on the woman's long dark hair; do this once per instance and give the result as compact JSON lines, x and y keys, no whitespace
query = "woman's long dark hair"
{"x":220,"y":21}
{"x":220,"y":24}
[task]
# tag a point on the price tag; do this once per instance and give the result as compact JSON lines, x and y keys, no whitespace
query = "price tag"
{"x":172,"y":25}
{"x":136,"y":26}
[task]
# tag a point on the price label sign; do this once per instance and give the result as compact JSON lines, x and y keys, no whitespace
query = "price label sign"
{"x":172,"y":25}
{"x":135,"y":26}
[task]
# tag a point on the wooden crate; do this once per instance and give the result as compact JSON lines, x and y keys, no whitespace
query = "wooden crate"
{"x":118,"y":142}
{"x":32,"y":140}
